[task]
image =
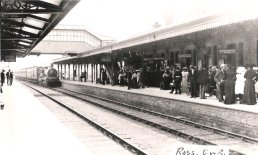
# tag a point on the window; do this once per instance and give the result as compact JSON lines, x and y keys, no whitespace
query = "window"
{"x":231,"y":46}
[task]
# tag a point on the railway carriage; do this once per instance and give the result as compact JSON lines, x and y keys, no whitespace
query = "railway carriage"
{"x":39,"y":75}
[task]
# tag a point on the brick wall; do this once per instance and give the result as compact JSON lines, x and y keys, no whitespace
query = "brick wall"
{"x":236,"y":121}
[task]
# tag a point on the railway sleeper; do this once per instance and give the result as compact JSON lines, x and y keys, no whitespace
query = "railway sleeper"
{"x":185,"y":135}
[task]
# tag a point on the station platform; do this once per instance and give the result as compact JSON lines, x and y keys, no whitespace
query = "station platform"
{"x":237,"y":118}
{"x":154,"y":91}
{"x":28,"y":127}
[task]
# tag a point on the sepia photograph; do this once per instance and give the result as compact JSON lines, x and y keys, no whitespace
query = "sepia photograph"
{"x":129,"y":77}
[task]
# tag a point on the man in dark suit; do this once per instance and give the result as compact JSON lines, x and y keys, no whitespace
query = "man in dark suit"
{"x":203,"y":81}
{"x":2,"y":77}
{"x":192,"y":78}
{"x":219,"y":78}
{"x":8,"y":74}
{"x":178,"y":80}
{"x":129,"y":78}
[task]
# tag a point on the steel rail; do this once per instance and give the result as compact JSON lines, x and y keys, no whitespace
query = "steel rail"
{"x":161,"y":127}
{"x":106,"y":132}
{"x":180,"y":120}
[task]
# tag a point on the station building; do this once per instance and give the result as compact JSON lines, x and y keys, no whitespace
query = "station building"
{"x":209,"y":41}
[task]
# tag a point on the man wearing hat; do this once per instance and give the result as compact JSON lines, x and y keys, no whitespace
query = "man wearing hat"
{"x":203,"y":81}
{"x":2,"y":77}
{"x":219,"y":79}
{"x":178,"y":80}
{"x":193,"y":79}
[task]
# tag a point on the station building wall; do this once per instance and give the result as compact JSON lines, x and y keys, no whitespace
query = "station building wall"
{"x":216,"y":50}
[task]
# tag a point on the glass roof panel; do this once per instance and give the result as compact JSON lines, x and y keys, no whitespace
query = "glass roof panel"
{"x":27,"y":40}
{"x":47,"y":16}
{"x":17,"y":19}
{"x":56,"y":2}
{"x":23,"y":43}
{"x":34,"y":22}
{"x":27,"y":29}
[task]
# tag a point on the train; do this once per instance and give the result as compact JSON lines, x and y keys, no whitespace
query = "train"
{"x":45,"y":76}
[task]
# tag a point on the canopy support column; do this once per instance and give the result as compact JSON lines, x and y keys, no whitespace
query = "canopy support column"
{"x":91,"y":73}
{"x":69,"y":72}
{"x":61,"y":71}
{"x":58,"y":74}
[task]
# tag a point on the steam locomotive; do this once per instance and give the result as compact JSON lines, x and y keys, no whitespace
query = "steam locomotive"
{"x":46,"y":76}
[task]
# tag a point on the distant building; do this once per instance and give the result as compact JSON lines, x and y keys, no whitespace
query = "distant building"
{"x":65,"y":39}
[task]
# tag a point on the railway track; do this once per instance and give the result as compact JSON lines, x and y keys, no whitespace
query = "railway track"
{"x":198,"y":133}
{"x":90,"y":136}
{"x":133,"y":136}
{"x":177,"y":126}
{"x":97,"y":126}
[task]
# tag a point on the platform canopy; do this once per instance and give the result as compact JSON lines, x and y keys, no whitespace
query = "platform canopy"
{"x":24,"y":23}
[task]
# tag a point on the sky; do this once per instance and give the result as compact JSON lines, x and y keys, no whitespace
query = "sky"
{"x":121,"y":19}
{"x":118,"y":18}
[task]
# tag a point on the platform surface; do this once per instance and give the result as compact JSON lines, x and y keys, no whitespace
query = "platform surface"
{"x":28,"y":127}
{"x":153,"y":91}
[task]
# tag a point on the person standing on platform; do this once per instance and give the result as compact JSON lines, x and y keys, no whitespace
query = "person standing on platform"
{"x":11,"y":78}
{"x":104,"y":76}
{"x":134,"y":80}
{"x":121,"y":77}
{"x":8,"y":77}
{"x":240,"y":83}
{"x":230,"y":77}
{"x":114,"y":78}
{"x":203,"y":81}
{"x":129,"y":78}
{"x":166,"y":79}
{"x":178,"y":80}
{"x":185,"y":74}
{"x":219,"y":79}
{"x":1,"y":98}
{"x":148,"y":77}
{"x":249,"y":89}
{"x":2,"y":77}
{"x":192,"y":78}
{"x":212,"y":82}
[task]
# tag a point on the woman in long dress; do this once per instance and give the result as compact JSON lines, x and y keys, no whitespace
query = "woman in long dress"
{"x":240,"y":82}
{"x":249,"y":89}
{"x":184,"y":79}
{"x":230,"y":77}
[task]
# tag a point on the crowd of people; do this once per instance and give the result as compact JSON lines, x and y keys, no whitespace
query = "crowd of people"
{"x":230,"y":85}
{"x":132,"y":78}
{"x":9,"y":77}
{"x":226,"y":82}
